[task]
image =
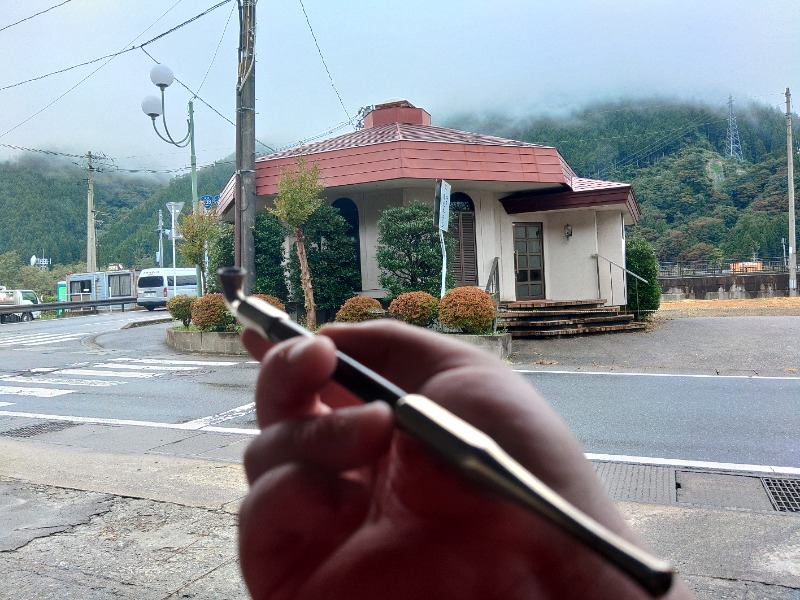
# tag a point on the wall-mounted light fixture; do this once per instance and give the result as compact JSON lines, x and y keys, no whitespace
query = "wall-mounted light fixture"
{"x":567,"y":231}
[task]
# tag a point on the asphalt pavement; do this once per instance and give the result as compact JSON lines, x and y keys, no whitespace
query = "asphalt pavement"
{"x":84,"y":519}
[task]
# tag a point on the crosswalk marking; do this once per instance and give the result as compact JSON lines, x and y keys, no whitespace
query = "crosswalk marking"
{"x":98,"y":373}
{"x":39,"y":339}
{"x":75,"y":382}
{"x":32,"y":391}
{"x":162,"y":361}
{"x":146,"y":367}
{"x":102,"y":374}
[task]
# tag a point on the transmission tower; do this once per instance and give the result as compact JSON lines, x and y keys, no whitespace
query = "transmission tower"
{"x":734,"y":145}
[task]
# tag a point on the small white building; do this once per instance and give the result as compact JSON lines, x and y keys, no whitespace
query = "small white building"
{"x":518,"y":207}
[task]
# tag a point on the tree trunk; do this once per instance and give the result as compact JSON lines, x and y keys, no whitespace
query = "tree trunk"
{"x":305,"y":280}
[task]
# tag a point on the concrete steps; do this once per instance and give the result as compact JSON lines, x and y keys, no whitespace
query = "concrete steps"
{"x":549,"y":318}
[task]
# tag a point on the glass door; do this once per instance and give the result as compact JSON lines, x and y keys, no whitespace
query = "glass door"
{"x":528,"y":261}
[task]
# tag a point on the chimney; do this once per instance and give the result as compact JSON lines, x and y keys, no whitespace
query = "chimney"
{"x":401,"y":111}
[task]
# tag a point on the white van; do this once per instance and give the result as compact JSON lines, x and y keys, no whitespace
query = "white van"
{"x":155,"y":286}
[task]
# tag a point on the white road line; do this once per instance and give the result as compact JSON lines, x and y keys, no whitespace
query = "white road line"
{"x":224,"y":416}
{"x":161,"y":361}
{"x":40,"y":380}
{"x":40,"y":340}
{"x":98,"y":373}
{"x":198,"y":425}
{"x":191,"y":426}
{"x":144,"y":367}
{"x":695,"y":464}
{"x":621,"y":374}
{"x":7,"y":403}
{"x":6,"y":390}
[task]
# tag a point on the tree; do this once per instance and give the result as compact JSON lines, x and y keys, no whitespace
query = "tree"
{"x":641,"y":259}
{"x":332,"y":259}
{"x":268,"y":238}
{"x":198,"y":230}
{"x":298,"y":198}
{"x":409,"y":251}
{"x":270,"y":277}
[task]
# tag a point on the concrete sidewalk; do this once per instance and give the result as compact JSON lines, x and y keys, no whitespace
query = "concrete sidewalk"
{"x":85,"y":521}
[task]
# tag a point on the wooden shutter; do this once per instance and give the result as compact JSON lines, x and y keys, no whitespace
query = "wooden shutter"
{"x":465,"y":264}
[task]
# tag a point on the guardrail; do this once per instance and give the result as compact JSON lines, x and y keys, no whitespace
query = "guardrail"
{"x":14,"y":309}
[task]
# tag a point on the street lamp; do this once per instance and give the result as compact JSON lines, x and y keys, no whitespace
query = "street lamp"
{"x":153,"y":106}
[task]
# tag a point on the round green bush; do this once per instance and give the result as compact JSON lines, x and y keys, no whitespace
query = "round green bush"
{"x":359,"y":308}
{"x":416,"y":308}
{"x":468,"y":309}
{"x":180,"y":308}
{"x":209,"y":313}
{"x":271,"y":300}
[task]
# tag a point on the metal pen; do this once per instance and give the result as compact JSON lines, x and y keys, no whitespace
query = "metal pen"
{"x":470,"y":450}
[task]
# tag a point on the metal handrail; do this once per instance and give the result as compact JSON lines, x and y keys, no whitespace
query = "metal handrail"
{"x":611,"y":276}
{"x":12,"y":309}
{"x":642,"y":279}
{"x":493,"y":288}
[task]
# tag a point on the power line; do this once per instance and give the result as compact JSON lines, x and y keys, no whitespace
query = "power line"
{"x":327,"y":70}
{"x":216,"y":51}
{"x":115,"y":54}
{"x":41,"y":12}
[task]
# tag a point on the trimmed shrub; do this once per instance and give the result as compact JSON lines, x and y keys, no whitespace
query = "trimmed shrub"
{"x":209,"y":313}
{"x":180,"y":308}
{"x":416,"y":308}
{"x":469,"y":309}
{"x":271,"y":300}
{"x":359,"y":308}
{"x":640,"y":258}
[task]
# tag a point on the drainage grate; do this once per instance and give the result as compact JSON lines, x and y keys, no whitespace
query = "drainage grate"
{"x":783,"y":493}
{"x":38,"y":429}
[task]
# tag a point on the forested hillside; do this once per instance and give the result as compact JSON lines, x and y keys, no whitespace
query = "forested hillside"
{"x":43,"y":205}
{"x":697,"y":203}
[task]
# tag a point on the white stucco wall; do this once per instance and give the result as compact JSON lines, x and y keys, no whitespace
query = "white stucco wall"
{"x":570,"y":269}
{"x":611,"y":245}
{"x":370,"y":206}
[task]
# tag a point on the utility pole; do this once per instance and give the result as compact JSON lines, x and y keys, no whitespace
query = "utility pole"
{"x":91,"y":242}
{"x":792,"y":239}
{"x":245,"y":203}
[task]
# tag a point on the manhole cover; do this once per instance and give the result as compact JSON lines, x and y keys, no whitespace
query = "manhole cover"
{"x":784,"y":493}
{"x":38,"y":429}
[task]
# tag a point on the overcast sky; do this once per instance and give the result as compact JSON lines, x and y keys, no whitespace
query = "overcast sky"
{"x":523,"y":57}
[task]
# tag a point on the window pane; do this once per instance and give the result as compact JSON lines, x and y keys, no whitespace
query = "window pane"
{"x":520,"y":247}
{"x":519,"y":231}
{"x":522,"y":261}
{"x":532,"y":231}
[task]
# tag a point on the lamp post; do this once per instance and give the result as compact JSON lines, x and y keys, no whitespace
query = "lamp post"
{"x":174,"y":210}
{"x":153,"y":106}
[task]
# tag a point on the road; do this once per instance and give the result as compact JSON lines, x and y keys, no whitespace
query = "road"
{"x":727,"y":419}
{"x":92,"y":369}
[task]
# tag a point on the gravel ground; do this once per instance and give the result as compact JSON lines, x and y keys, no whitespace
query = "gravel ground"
{"x":725,"y":337}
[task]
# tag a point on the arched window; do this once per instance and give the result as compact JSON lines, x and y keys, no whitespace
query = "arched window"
{"x":349,"y":211}
{"x":462,"y":227}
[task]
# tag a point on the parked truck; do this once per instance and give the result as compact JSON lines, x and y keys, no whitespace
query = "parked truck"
{"x":18,"y":298}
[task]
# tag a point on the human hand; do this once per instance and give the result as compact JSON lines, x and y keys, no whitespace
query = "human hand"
{"x":344,"y":505}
